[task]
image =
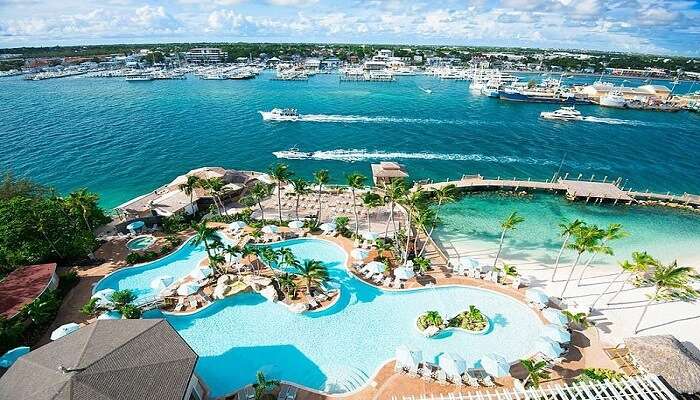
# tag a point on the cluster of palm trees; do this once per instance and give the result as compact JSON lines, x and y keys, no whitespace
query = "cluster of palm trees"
{"x":215,"y":186}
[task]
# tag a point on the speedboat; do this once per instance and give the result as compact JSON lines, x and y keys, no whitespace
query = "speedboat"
{"x":293,"y":154}
{"x":139,"y":78}
{"x":563,"y":114}
{"x":280,"y":114}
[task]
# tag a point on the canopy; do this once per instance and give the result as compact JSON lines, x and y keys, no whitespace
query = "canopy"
{"x":296,"y":224}
{"x":200,"y":273}
{"x":375,"y":267}
{"x":359,"y":254}
{"x":328,"y":226}
{"x":406,"y":357}
{"x":136,"y":225}
{"x":161,"y":282}
{"x":452,"y":364}
{"x":556,"y":333}
{"x":269,"y":229}
{"x":548,"y":347}
{"x":187,"y":289}
{"x":404,"y":273}
{"x":64,"y":330}
{"x":11,"y":356}
{"x":110,"y":315}
{"x":495,"y":365}
{"x":237,"y":225}
{"x":536,"y":296}
{"x":369,"y":235}
{"x":554,"y":316}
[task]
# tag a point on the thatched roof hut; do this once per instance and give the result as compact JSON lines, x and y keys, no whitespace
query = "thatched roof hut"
{"x":667,"y":357}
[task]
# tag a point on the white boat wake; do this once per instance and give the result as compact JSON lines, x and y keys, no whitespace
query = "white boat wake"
{"x":330,"y":118}
{"x":613,"y":121}
{"x":353,"y":155}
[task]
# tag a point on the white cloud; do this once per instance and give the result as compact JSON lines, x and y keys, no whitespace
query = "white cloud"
{"x":293,"y":3}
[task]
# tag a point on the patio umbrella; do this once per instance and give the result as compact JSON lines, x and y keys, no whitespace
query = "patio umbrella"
{"x":64,"y":330}
{"x":269,"y":229}
{"x":495,"y":365}
{"x":296,"y":224}
{"x":11,"y":356}
{"x":556,"y":333}
{"x":161,"y":282}
{"x":369,"y":235}
{"x":110,"y":315}
{"x":452,"y":364}
{"x":404,"y":273}
{"x":359,"y":254}
{"x":536,"y":296}
{"x":548,"y":347}
{"x":554,"y":316}
{"x":200,"y":273}
{"x":328,"y":226}
{"x":187,"y":289}
{"x":237,"y":225}
{"x":375,"y":267}
{"x":407,"y":357}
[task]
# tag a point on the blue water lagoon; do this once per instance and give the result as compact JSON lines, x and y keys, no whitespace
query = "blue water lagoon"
{"x":340,"y":348}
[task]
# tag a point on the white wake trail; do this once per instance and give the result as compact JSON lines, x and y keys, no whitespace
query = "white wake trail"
{"x":613,"y":121}
{"x":330,"y":118}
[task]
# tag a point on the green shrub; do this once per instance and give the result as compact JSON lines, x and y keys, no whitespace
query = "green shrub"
{"x":122,"y":297}
{"x":136,"y":257}
{"x":130,"y":311}
{"x":471,"y":320}
{"x":174,"y":224}
{"x":430,"y":318}
{"x":598,"y":375}
{"x":90,"y":308}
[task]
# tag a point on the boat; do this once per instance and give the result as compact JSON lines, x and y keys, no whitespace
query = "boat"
{"x":280,"y":114}
{"x":563,"y":114}
{"x":613,"y":98}
{"x":539,"y":95}
{"x":139,"y":78}
{"x":293,"y":154}
{"x":214,"y":77}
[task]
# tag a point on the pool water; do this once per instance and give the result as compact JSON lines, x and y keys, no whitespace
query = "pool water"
{"x":140,"y":242}
{"x":338,"y":349}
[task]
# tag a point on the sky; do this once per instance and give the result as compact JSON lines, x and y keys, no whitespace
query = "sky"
{"x":661,"y":27}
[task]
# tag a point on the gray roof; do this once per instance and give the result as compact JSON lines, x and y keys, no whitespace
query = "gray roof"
{"x":107,"y":360}
{"x":664,"y":355}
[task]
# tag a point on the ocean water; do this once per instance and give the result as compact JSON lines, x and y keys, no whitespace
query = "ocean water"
{"x":122,"y":139}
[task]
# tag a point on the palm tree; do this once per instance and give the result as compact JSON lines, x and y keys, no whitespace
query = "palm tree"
{"x":216,"y":186}
{"x":670,"y":282}
{"x":426,"y":217}
{"x":640,"y":264}
{"x":394,"y":191}
{"x":355,"y":181}
{"x":287,"y":283}
{"x":414,"y":201}
{"x":232,"y":252}
{"x":443,"y":195}
{"x":321,"y":177}
{"x":82,"y":201}
{"x":536,"y":372}
{"x":192,"y":183}
{"x":301,"y":187}
{"x":287,"y":257}
{"x":263,"y":386}
{"x":205,"y":234}
{"x":382,"y":246}
{"x":613,"y":232}
{"x":314,"y":272}
{"x":432,"y":318}
{"x":216,"y":261}
{"x":567,"y":231}
{"x":510,"y":223}
{"x":422,"y":264}
{"x":586,"y":239}
{"x":579,"y":319}
{"x":371,"y":200}
{"x":281,"y":174}
{"x":259,"y":192}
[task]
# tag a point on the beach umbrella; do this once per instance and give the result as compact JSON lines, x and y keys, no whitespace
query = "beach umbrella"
{"x":359,"y":254}
{"x":187,"y":289}
{"x":536,"y":296}
{"x":406,"y":357}
{"x":556,"y":333}
{"x":548,"y":347}
{"x":404,"y":273}
{"x":369,"y":235}
{"x":161,"y":282}
{"x":200,"y":273}
{"x":296,"y":224}
{"x":64,"y":330}
{"x":237,"y":225}
{"x":554,"y":316}
{"x":110,"y":315}
{"x":269,"y":229}
{"x":11,"y":356}
{"x":375,"y":267}
{"x":495,"y":365}
{"x":452,"y":364}
{"x":328,"y":226}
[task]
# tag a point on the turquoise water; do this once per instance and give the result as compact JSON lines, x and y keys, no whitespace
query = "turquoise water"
{"x":344,"y":345}
{"x":140,"y":243}
{"x":122,"y":139}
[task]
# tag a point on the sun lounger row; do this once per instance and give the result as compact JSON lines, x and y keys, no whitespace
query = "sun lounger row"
{"x":431,"y":373}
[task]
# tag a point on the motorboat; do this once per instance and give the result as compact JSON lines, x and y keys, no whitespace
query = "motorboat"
{"x":280,"y":114}
{"x":563,"y":114}
{"x":293,"y":154}
{"x":139,"y":78}
{"x":613,"y":98}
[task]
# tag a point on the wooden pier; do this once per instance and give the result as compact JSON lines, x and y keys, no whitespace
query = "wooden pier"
{"x":574,"y":189}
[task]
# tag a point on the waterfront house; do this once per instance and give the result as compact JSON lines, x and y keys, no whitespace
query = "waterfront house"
{"x":644,"y":93}
{"x":21,"y":286}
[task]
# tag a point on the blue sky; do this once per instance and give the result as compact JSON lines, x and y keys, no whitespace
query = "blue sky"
{"x":667,"y":27}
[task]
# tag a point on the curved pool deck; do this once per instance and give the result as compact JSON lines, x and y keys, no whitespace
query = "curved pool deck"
{"x":338,"y":349}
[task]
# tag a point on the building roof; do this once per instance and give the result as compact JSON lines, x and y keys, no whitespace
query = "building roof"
{"x":22,"y":286}
{"x":107,"y":360}
{"x":664,"y":355}
{"x":387,"y":169}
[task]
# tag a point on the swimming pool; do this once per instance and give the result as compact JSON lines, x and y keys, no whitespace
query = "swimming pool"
{"x":140,"y":242}
{"x":339,"y":349}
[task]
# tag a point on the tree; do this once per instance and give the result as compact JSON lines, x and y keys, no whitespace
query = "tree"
{"x":579,"y":319}
{"x":321,"y":178}
{"x":217,"y":263}
{"x":301,"y":187}
{"x":232,"y":252}
{"x":414,"y":201}
{"x":567,"y":231}
{"x":442,"y":195}
{"x":641,"y":261}
{"x":259,"y":192}
{"x":430,"y":318}
{"x":536,"y":372}
{"x":586,"y":239}
{"x":371,"y":200}
{"x":426,"y":217}
{"x":205,"y":234}
{"x":670,"y":282}
{"x":84,"y":203}
{"x":394,"y":191}
{"x":281,"y":174}
{"x":287,"y":283}
{"x":263,"y":386}
{"x":192,"y":183}
{"x":613,"y":232}
{"x":355,"y":181}
{"x":510,"y":223}
{"x":422,"y":263}
{"x":216,"y":187}
{"x":122,"y":297}
{"x":313,"y":272}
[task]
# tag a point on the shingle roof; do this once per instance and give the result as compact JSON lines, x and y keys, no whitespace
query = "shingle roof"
{"x":664,"y":355}
{"x":22,"y":286}
{"x":140,"y":359}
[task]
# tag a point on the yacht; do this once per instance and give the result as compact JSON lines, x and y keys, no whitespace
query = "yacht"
{"x":293,"y":154}
{"x":613,"y":98}
{"x":214,"y":77}
{"x":563,"y":114}
{"x":139,"y":78}
{"x":280,"y":114}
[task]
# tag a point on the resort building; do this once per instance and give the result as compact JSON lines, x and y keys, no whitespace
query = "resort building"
{"x":205,"y":55}
{"x":109,"y":360}
{"x":386,"y":171}
{"x":21,"y":286}
{"x":642,"y":93}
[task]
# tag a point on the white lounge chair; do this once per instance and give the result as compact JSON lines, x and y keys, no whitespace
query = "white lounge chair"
{"x":312,"y":302}
{"x":291,"y":393}
{"x":378,"y":279}
{"x":192,"y":301}
{"x":426,"y":373}
{"x":488,"y":381}
{"x":180,"y":304}
{"x":387,"y":281}
{"x":470,"y":380}
{"x":413,"y":372}
{"x":397,"y":283}
{"x":441,"y":377}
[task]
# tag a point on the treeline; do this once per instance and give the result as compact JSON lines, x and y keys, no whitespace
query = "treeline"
{"x":37,"y":225}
